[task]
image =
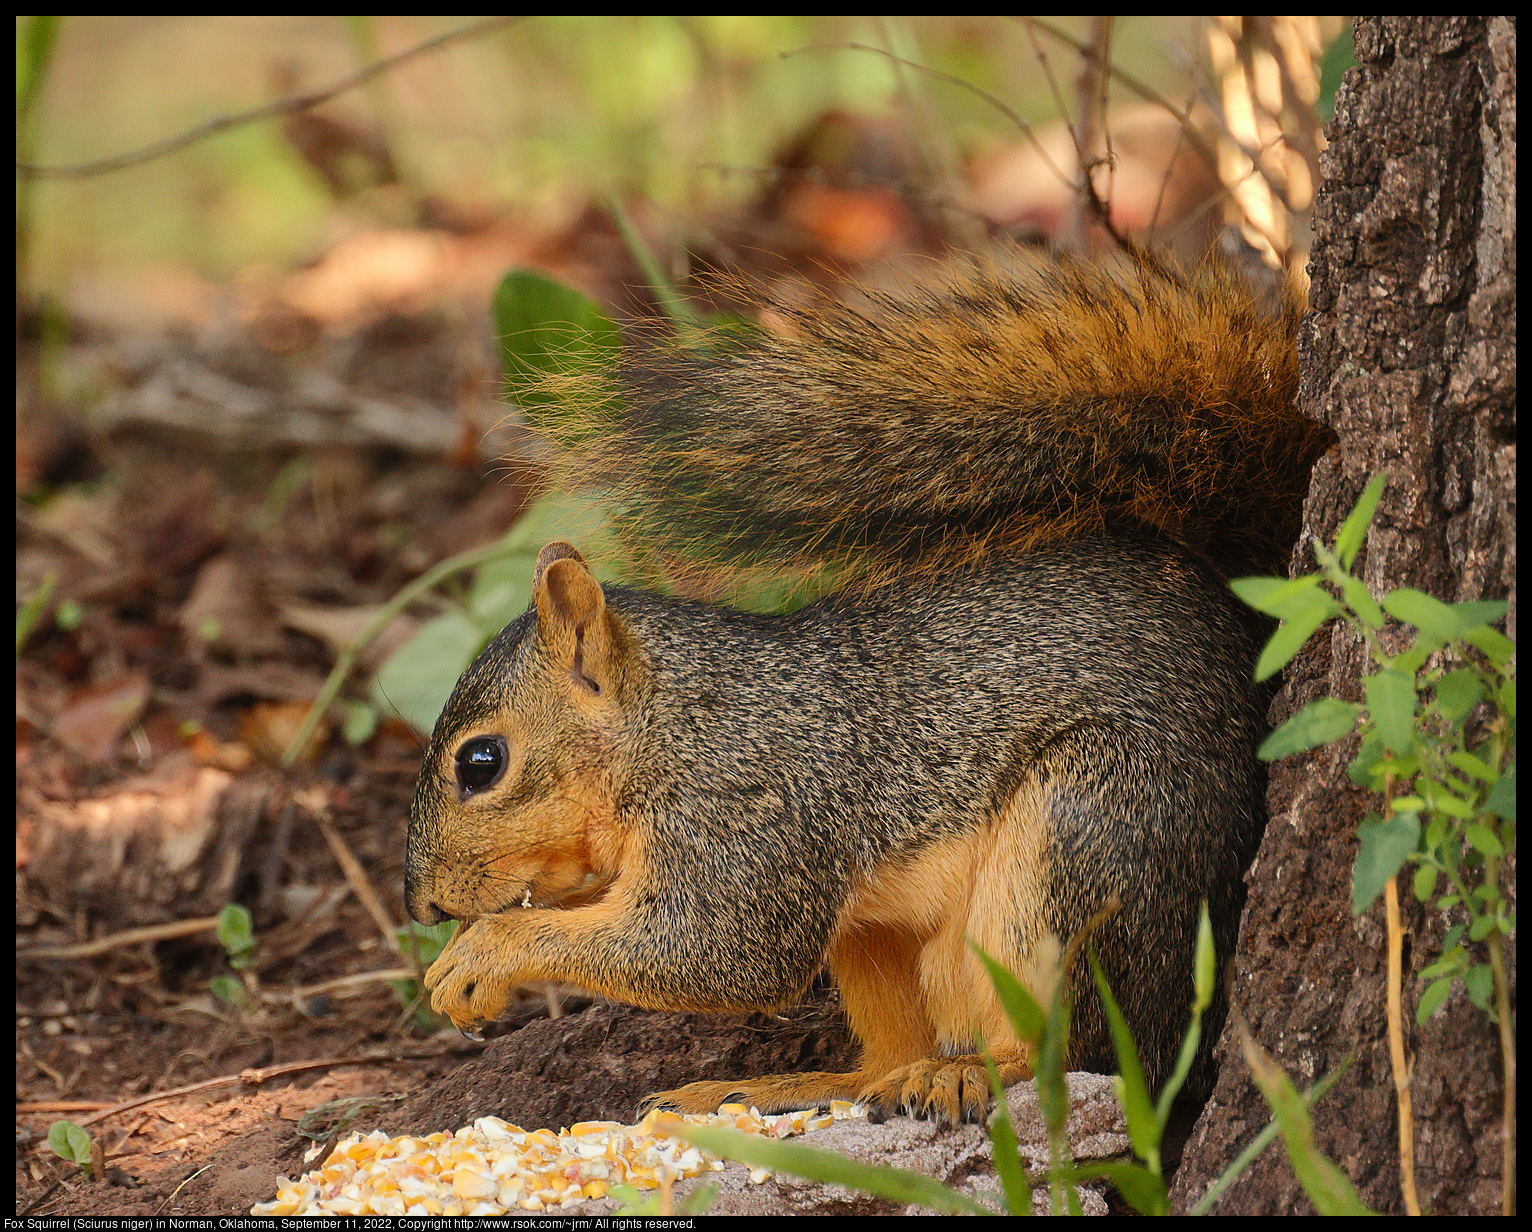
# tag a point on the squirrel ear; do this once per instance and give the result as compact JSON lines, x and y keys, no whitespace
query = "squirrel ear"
{"x":557,"y":550}
{"x":572,"y":620}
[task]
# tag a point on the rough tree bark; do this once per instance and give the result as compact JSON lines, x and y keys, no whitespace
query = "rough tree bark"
{"x":1410,"y":356}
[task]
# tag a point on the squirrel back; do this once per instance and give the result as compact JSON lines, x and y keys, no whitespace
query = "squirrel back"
{"x":979,"y":415}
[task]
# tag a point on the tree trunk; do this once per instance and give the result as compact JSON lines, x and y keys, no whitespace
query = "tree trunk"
{"x":1409,"y":354}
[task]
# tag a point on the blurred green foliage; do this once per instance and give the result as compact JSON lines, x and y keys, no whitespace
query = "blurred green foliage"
{"x":682,"y":111}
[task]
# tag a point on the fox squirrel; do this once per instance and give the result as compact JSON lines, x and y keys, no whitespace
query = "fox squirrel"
{"x":1029,"y":696}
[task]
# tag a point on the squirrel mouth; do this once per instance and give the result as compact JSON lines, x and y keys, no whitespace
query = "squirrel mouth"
{"x":590,"y":888}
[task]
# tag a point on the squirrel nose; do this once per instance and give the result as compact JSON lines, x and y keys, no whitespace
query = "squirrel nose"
{"x":428,"y":913}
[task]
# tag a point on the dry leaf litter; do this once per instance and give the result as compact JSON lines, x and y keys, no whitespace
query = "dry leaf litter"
{"x":494,"y":1168}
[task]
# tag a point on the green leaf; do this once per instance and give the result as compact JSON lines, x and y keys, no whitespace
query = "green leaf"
{"x":418,"y":678}
{"x":228,"y":990}
{"x":1457,"y":693}
{"x":1205,"y":969}
{"x":1364,"y":767}
{"x":34,"y":53}
{"x":1425,"y":883}
{"x":1290,"y":637}
{"x":1338,"y":57}
{"x":1434,"y":997}
{"x":1482,"y":839}
{"x":1385,"y":846}
{"x":236,"y":929}
{"x":1471,"y":765}
{"x":1280,"y":597}
{"x":1348,"y":540}
{"x":548,"y":329}
{"x":1003,"y":1149}
{"x":428,"y":940}
{"x":1501,"y":800}
{"x":1144,"y":1128}
{"x":1391,"y":701}
{"x":1262,"y":1140}
{"x":31,"y":611}
{"x":502,"y":587}
{"x":1481,"y":611}
{"x":818,"y":1165}
{"x":1430,"y":616}
{"x":1140,"y":1186}
{"x":1205,"y":962}
{"x":1479,"y":980}
{"x":1361,"y":601}
{"x":1480,"y":927}
{"x":1021,"y":1007}
{"x":361,"y":722}
{"x":1497,"y":648}
{"x":1327,"y":1187}
{"x":1321,"y":721}
{"x":1453,"y":961}
{"x":1443,"y":801}
{"x":68,"y":1141}
{"x":1421,"y":648}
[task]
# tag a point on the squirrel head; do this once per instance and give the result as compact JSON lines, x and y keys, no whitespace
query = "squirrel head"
{"x":516,"y":804}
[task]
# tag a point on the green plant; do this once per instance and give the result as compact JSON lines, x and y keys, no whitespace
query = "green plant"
{"x":422,"y":943}
{"x":68,"y":1141}
{"x":1438,"y":738}
{"x":236,"y":933}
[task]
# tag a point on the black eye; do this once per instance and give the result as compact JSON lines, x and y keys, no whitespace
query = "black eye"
{"x":480,"y":763}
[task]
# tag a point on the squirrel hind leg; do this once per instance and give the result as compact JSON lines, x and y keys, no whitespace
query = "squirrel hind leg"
{"x":778,"y":1093}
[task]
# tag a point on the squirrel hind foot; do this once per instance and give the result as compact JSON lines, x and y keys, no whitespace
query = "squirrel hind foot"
{"x":949,"y":1090}
{"x":778,"y":1093}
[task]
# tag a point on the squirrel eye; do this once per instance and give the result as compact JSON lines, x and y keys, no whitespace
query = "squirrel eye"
{"x":480,"y":763}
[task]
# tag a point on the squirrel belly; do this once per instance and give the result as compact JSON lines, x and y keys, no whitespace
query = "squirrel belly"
{"x":1031,"y":699}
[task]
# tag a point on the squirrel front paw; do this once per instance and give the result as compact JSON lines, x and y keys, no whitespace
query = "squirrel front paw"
{"x":472,"y":980}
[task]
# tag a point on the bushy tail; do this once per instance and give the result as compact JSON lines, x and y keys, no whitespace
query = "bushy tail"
{"x":982,"y":415}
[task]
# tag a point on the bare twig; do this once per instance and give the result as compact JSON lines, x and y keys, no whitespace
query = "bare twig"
{"x":361,"y":884}
{"x":1508,"y":1069}
{"x":189,"y":1179}
{"x":342,"y":983}
{"x":281,"y":106}
{"x":249,"y":1078}
{"x":116,"y":941}
{"x":1147,"y":93}
{"x":1090,"y":99}
{"x":989,"y":98}
{"x":1396,"y":1048}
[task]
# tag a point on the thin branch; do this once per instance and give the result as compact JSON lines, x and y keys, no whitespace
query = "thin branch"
{"x":281,"y":106}
{"x":1147,"y":93}
{"x":116,"y":941}
{"x":356,"y":877}
{"x":1397,"y":1058}
{"x":1090,"y":99}
{"x":251,"y":1078}
{"x":947,"y":77}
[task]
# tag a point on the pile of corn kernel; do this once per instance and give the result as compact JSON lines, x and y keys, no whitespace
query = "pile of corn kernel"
{"x":493,"y":1168}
